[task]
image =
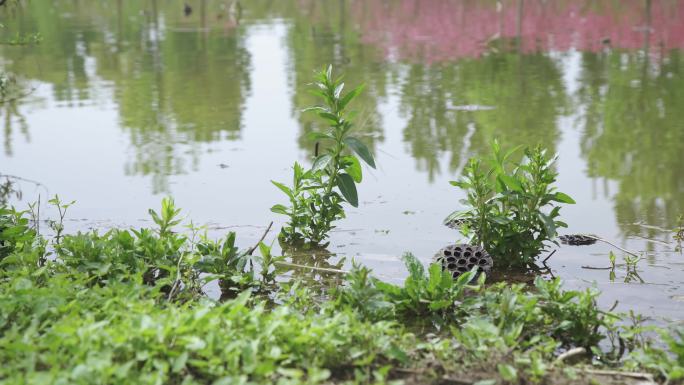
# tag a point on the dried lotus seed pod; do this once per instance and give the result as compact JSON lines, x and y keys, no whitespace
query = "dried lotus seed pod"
{"x":460,"y":258}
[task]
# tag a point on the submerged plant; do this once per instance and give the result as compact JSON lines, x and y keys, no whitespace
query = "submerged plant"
{"x":317,"y":194}
{"x":512,"y":206}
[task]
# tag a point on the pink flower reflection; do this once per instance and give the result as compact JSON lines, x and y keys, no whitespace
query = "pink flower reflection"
{"x":440,"y":30}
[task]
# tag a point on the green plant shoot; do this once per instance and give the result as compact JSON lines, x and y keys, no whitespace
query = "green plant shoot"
{"x":317,"y":194}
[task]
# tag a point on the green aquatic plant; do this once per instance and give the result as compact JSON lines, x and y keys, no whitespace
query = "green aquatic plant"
{"x":58,"y":225}
{"x":511,"y":207}
{"x":317,"y":194}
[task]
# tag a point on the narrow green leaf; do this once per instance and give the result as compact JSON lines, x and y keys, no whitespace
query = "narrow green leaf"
{"x":348,"y":189}
{"x":350,"y":96}
{"x":328,"y":72}
{"x":360,"y":149}
{"x":318,"y":136}
{"x":328,"y":116}
{"x":316,"y":108}
{"x":283,"y":188}
{"x":563,"y":198}
{"x":338,"y":90}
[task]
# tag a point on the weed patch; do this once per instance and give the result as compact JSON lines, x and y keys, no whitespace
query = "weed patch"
{"x":127,"y":306}
{"x":512,"y":207}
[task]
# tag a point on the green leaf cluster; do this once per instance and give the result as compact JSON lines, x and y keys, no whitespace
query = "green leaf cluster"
{"x":512,"y":207}
{"x":90,"y":314}
{"x":317,"y":194}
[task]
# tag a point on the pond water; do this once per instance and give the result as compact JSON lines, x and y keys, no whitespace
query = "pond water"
{"x":135,"y":100}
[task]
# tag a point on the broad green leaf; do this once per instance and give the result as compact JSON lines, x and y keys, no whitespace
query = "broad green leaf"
{"x":511,"y":182}
{"x":563,"y":198}
{"x":321,"y":162}
{"x":549,"y":225}
{"x":360,"y":149}
{"x":507,"y":372}
{"x":179,"y":362}
{"x":354,"y":169}
{"x":279,"y":209}
{"x":348,"y":189}
{"x":264,"y":249}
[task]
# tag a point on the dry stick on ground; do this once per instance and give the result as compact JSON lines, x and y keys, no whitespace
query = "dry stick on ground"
{"x":569,"y":354}
{"x":261,"y":239}
{"x":642,"y":376}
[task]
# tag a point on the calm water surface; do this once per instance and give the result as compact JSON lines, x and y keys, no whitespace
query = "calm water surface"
{"x":134,"y":100}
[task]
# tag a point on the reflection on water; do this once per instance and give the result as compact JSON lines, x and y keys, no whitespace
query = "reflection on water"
{"x":138,"y":98}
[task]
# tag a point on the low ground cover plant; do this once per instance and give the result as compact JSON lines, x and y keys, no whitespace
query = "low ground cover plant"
{"x":90,"y":314}
{"x":317,"y":193}
{"x":512,"y":207}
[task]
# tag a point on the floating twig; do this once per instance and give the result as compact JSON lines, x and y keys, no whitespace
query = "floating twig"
{"x":612,"y":244}
{"x":550,"y":255}
{"x":637,"y":375}
{"x":323,"y":269}
{"x":651,"y":240}
{"x":614,"y":306}
{"x":596,"y":268}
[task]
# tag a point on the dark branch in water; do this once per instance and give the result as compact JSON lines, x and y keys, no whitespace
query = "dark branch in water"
{"x":20,"y":178}
{"x":323,"y":269}
{"x":547,"y":258}
{"x":260,"y":240}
